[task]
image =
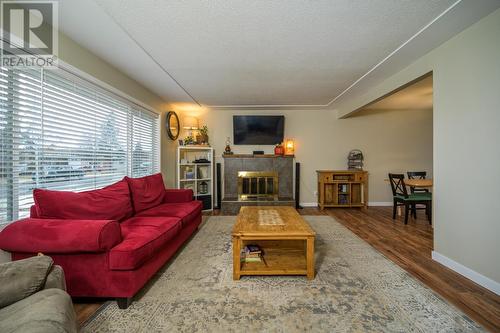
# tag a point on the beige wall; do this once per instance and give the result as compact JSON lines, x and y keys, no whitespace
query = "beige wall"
{"x":466,"y":74}
{"x":395,"y":140}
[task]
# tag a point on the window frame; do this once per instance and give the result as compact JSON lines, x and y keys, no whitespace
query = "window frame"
{"x":133,"y":105}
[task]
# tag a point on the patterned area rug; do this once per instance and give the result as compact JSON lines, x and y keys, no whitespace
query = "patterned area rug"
{"x":356,"y":289}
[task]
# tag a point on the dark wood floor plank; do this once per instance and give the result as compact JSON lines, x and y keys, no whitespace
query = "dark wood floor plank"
{"x":85,"y":310}
{"x":410,"y":247}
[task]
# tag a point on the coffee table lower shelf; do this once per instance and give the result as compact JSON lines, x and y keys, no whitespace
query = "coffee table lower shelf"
{"x":277,"y":262}
{"x":279,"y":258}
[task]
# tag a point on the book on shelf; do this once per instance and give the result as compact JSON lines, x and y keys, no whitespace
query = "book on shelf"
{"x":343,"y":188}
{"x":250,"y":248}
{"x":251,"y":259}
{"x":252,"y":253}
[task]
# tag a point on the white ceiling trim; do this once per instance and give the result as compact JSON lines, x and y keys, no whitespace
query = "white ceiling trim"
{"x":325,"y":106}
{"x":405,"y":45}
{"x":395,"y":51}
{"x":280,"y":106}
{"x":163,"y":69}
{"x":269,"y":106}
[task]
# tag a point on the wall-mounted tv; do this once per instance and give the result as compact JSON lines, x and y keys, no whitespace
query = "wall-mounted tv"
{"x":258,"y":130}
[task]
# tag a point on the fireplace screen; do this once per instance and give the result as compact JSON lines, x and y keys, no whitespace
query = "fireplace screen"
{"x":260,"y":185}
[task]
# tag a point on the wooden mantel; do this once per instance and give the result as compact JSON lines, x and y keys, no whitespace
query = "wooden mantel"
{"x":256,"y":156}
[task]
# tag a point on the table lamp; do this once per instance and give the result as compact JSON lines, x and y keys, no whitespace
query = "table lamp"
{"x":191,"y":124}
{"x":289,"y":147}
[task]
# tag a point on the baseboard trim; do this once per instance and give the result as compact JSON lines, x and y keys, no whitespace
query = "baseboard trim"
{"x":467,"y":272}
{"x":380,"y":203}
{"x":370,"y":203}
{"x":309,"y":204}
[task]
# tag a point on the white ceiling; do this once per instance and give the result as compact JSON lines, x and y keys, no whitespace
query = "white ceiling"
{"x":417,"y":96}
{"x":260,"y":53}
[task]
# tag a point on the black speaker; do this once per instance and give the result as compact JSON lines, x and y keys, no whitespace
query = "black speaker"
{"x":218,"y":184}
{"x":297,"y":186}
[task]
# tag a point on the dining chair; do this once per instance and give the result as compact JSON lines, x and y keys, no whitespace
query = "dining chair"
{"x":413,"y":189}
{"x":417,"y":175}
{"x":409,"y":201}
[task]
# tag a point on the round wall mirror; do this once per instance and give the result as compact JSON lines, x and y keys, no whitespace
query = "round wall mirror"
{"x":173,"y":126}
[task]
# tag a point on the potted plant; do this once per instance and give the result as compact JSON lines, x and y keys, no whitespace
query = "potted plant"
{"x":188,"y":140}
{"x":203,"y":136}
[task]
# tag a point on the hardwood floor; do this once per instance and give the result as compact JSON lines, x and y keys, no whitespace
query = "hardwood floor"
{"x":84,"y":309}
{"x":409,"y":246}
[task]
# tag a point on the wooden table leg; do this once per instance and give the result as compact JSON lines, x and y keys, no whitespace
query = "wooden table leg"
{"x":236,"y":258}
{"x":310,"y":258}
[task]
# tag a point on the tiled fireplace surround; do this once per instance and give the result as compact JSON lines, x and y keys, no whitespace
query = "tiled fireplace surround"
{"x":282,"y":165}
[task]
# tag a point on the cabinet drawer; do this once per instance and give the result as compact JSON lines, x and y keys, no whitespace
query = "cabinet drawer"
{"x":359,"y":177}
{"x":326,"y":177}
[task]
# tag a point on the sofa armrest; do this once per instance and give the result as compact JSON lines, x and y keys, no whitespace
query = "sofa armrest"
{"x":55,"y":279}
{"x":22,"y":278}
{"x":178,"y":195}
{"x":60,"y":236}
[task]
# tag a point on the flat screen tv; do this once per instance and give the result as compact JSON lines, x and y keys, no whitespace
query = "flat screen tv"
{"x":258,"y":130}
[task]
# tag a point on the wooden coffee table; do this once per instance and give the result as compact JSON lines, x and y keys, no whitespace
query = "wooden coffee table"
{"x":284,"y":236}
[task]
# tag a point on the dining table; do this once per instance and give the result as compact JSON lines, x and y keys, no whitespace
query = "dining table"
{"x":421,"y":183}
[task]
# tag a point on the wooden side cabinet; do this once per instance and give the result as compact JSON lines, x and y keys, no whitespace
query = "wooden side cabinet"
{"x":344,"y":188}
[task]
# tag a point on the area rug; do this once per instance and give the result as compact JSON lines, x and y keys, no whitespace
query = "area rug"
{"x":356,"y":289}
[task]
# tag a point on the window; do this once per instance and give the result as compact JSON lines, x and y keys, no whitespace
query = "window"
{"x":61,"y":132}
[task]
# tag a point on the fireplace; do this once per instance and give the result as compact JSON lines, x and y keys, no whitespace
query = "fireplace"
{"x":252,"y":180}
{"x":257,"y":185}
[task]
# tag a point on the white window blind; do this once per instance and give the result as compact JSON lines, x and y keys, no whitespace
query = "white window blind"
{"x":21,"y":131}
{"x":145,"y":160}
{"x":61,"y":132}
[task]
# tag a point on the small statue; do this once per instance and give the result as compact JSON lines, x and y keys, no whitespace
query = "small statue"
{"x":227,"y":150}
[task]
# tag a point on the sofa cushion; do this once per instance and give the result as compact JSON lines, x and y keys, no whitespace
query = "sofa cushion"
{"x":22,"y":278}
{"x":143,"y":237}
{"x":147,"y":192}
{"x":422,"y":196}
{"x":49,"y":310}
{"x":109,"y":203}
{"x":173,"y":195}
{"x":186,"y":211}
{"x":56,"y":278}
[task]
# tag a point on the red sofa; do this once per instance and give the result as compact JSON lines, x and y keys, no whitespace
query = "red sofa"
{"x":110,"y":241}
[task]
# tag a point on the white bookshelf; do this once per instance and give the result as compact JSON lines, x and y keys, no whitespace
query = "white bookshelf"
{"x":197,"y":176}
